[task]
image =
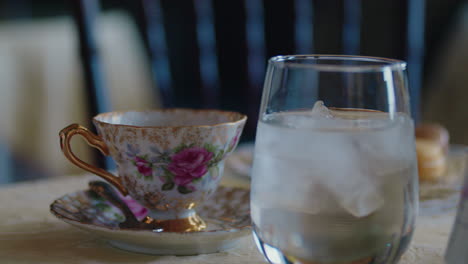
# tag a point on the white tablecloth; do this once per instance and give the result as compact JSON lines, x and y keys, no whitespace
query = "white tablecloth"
{"x":30,"y":234}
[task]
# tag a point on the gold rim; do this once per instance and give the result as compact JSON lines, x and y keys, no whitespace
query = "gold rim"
{"x":239,"y":117}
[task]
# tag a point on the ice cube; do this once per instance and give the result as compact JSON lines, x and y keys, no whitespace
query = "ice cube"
{"x":321,"y":111}
{"x":318,"y":117}
{"x":342,"y":168}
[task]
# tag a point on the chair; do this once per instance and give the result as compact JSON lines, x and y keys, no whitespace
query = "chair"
{"x":206,"y":53}
{"x":213,"y":54}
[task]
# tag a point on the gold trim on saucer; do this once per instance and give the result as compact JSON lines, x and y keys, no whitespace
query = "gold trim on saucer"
{"x":193,"y":223}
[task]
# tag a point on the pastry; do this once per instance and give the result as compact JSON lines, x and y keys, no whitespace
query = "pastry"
{"x":433,"y":132}
{"x":432,"y":142}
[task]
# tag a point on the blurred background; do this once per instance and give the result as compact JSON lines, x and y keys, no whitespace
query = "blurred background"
{"x":62,"y":62}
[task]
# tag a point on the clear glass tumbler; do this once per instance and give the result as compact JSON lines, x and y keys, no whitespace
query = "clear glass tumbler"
{"x":334,"y":177}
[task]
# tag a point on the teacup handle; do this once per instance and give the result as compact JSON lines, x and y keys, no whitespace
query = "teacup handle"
{"x":93,"y":140}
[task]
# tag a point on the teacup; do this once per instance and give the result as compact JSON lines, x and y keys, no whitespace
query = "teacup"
{"x":170,"y":160}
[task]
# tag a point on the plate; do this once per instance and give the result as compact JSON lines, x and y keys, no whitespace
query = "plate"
{"x":442,"y":196}
{"x":227,"y":215}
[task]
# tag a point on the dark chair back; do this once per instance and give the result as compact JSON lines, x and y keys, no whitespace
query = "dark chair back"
{"x":213,"y":54}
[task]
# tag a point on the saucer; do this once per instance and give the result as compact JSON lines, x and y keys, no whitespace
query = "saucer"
{"x":227,"y":214}
{"x":240,"y":161}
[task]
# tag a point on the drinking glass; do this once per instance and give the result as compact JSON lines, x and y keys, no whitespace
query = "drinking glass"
{"x":334,"y":177}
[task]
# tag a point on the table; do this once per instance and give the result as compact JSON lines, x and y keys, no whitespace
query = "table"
{"x":30,"y":234}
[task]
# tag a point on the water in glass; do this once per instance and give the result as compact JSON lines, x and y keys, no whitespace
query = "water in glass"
{"x":334,"y":186}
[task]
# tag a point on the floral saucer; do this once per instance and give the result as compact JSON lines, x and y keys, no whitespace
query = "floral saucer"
{"x":227,"y":214}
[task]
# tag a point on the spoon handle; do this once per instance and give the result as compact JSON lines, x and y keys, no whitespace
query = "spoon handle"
{"x":106,"y":191}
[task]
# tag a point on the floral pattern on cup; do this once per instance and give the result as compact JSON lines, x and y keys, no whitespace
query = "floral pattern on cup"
{"x":144,"y":167}
{"x":235,"y":140}
{"x":178,"y":168}
{"x":189,"y":164}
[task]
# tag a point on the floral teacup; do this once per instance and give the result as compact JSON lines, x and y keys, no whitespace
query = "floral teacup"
{"x":170,"y":161}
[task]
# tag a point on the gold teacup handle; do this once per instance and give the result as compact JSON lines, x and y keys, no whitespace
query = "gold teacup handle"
{"x":93,"y":140}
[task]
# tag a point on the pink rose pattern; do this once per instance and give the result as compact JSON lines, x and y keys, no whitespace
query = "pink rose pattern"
{"x":179,"y":168}
{"x":144,"y":167}
{"x":189,"y":164}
